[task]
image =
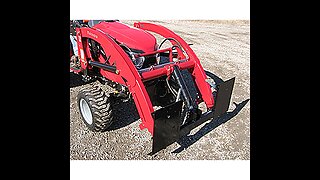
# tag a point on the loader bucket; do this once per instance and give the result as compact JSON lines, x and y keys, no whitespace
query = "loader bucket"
{"x":167,"y":123}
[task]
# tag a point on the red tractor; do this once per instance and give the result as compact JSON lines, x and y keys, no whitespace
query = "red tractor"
{"x":130,"y":60}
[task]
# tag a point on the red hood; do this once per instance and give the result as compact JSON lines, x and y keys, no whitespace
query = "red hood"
{"x":132,"y":37}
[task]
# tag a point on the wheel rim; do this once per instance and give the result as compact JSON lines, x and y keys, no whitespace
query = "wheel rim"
{"x":85,"y":111}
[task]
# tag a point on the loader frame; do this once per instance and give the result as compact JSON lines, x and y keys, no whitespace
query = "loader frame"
{"x":163,"y":124}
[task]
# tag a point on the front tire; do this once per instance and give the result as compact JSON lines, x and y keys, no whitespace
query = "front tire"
{"x":95,"y":108}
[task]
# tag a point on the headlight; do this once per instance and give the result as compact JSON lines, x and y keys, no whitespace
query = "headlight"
{"x":138,"y":62}
{"x":156,"y":47}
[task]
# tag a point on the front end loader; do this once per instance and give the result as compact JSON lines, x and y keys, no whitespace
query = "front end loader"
{"x":167,"y":84}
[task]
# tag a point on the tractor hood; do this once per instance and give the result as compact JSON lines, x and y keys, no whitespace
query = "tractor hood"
{"x":133,"y":37}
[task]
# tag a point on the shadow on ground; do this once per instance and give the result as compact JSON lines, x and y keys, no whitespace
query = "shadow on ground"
{"x":76,"y":80}
{"x":125,"y":113}
{"x":188,"y":140}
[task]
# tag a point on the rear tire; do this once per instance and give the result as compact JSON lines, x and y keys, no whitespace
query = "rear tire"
{"x":95,"y":108}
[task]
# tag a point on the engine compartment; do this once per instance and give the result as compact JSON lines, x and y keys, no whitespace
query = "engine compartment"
{"x":136,"y":39}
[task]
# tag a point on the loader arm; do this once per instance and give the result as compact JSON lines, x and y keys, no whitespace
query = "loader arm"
{"x":198,"y":72}
{"x":127,"y":73}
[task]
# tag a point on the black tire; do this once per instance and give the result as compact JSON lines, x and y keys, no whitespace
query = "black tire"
{"x":95,"y":108}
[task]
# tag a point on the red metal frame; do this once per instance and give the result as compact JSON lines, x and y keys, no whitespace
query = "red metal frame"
{"x":197,"y":72}
{"x":134,"y":78}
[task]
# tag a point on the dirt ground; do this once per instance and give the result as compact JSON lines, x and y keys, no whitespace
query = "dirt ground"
{"x":223,"y":48}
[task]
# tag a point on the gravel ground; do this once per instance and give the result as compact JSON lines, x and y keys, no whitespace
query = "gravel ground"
{"x":223,"y":48}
